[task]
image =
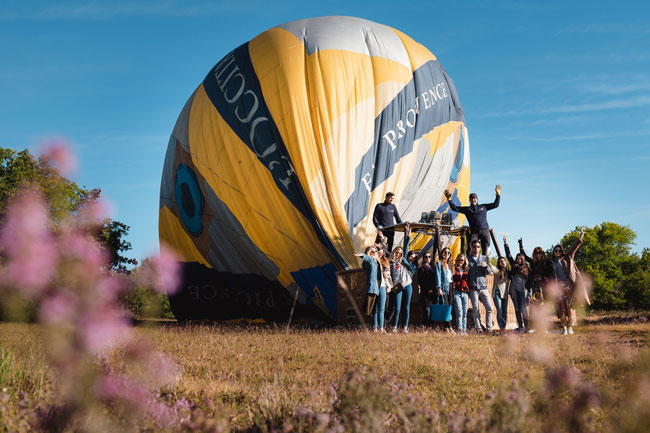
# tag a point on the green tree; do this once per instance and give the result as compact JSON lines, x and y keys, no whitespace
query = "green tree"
{"x":604,"y":254}
{"x":63,"y":196}
{"x":111,"y":235}
{"x":636,"y":280}
{"x":20,"y":168}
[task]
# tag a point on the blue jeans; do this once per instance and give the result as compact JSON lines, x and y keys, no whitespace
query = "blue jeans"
{"x":519,"y":298}
{"x":408,"y":291}
{"x":380,"y":308}
{"x":501,"y":305}
{"x":461,"y":301}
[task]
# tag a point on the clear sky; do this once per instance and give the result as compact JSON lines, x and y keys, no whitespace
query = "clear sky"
{"x":556,"y":95}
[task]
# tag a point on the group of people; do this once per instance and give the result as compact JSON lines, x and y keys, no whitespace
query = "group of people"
{"x":392,"y":273}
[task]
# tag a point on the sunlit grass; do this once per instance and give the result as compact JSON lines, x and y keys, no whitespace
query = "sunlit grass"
{"x":242,"y":370}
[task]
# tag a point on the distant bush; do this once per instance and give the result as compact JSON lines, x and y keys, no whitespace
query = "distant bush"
{"x":145,"y":303}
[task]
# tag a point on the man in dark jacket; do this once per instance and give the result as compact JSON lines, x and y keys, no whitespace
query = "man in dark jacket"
{"x":385,"y":215}
{"x":476,"y":214}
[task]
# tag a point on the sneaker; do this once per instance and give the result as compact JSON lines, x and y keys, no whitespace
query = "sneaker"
{"x":530,"y":331}
{"x":406,"y":330}
{"x":570,"y":330}
{"x":394,"y":329}
{"x":564,"y":331}
{"x":382,"y":331}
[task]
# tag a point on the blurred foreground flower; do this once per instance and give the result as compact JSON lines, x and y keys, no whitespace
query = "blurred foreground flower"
{"x":59,"y":152}
{"x":27,"y":245}
{"x":64,"y":273}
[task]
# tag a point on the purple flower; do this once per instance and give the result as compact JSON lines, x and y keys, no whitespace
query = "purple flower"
{"x":95,"y":212}
{"x":110,"y":387}
{"x":563,"y":377}
{"x":165,"y":271}
{"x":166,"y":370}
{"x":81,"y":247}
{"x":108,"y":287}
{"x":58,"y":152}
{"x":58,"y":308}
{"x":28,"y":245}
{"x":103,"y":328}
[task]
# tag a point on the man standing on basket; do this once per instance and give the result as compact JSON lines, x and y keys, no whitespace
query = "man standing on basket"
{"x":476,"y":214}
{"x":385,"y":215}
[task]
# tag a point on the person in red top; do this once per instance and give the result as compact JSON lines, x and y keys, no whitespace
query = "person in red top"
{"x":460,"y":285}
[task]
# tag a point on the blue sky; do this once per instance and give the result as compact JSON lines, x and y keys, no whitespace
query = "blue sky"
{"x":556,"y":95}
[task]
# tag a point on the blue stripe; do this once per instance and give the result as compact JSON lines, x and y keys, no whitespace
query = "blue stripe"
{"x":235,"y":91}
{"x":427,"y":101}
{"x":323,"y":277}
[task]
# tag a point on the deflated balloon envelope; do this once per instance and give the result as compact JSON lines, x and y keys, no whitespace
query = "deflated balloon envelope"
{"x":279,"y":156}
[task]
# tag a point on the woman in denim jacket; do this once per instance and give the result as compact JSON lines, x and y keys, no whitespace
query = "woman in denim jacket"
{"x":403,"y":267}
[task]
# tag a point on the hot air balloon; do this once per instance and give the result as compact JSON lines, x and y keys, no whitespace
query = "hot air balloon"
{"x":279,"y":156}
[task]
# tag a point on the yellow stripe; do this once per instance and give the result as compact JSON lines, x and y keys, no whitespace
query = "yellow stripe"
{"x":418,"y":53}
{"x":172,"y":233}
{"x":247,"y":188}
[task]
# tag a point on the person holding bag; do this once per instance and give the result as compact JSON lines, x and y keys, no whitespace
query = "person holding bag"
{"x":370,"y":266}
{"x":443,"y":280}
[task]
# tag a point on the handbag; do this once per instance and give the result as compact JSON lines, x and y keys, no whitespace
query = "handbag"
{"x":370,"y":304}
{"x":440,"y":311}
{"x":397,"y":288}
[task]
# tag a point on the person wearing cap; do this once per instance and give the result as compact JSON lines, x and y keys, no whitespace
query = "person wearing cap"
{"x":476,"y":214}
{"x":385,"y":215}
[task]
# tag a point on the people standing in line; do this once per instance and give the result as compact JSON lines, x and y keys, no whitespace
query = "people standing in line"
{"x":476,"y":214}
{"x":500,"y":291}
{"x":460,"y":280}
{"x":443,"y":279}
{"x":402,"y":271}
{"x":518,"y":281}
{"x":478,"y":291}
{"x":386,"y":215}
{"x":566,"y":276}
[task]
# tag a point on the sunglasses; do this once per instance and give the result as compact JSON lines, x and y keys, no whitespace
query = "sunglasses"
{"x":557,"y":251}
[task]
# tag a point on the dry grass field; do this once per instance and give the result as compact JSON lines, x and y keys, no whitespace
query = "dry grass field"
{"x":245,"y":378}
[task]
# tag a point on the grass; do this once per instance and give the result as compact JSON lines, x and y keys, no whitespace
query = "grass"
{"x":246,"y":374}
